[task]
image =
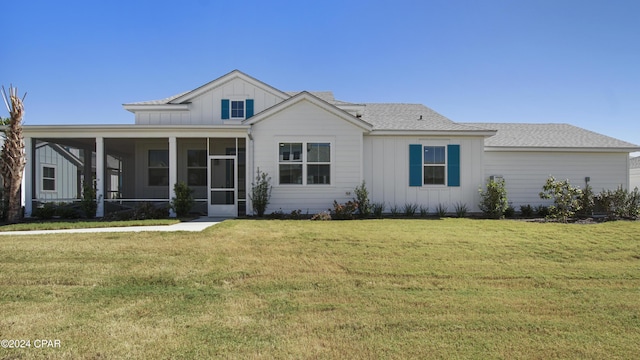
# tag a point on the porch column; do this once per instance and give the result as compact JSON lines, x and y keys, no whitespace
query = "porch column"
{"x":100,"y":176}
{"x":173,"y":170}
{"x":27,"y":177}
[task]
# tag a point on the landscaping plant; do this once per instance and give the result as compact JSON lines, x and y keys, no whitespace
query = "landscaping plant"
{"x":261,"y":192}
{"x":183,"y":201}
{"x":565,"y":198}
{"x":493,"y":200}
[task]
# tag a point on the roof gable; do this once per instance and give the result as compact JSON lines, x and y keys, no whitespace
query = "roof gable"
{"x":306,"y":96}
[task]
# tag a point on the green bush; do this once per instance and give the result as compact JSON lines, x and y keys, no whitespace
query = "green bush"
{"x":362,"y":198}
{"x":378,"y":209}
{"x":46,"y":211}
{"x":526,"y":210}
{"x":619,"y":203}
{"x":261,"y":193}
{"x":88,"y":203}
{"x":542,"y":211}
{"x":441,"y":210}
{"x":461,"y":209}
{"x":424,"y":211}
{"x":410,"y":210}
{"x":565,"y":198}
{"x":510,"y":212}
{"x":183,"y":201}
{"x":493,"y":200}
{"x":587,"y":202}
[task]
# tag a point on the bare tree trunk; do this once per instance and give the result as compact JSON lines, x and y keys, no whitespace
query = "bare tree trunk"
{"x":13,"y":156}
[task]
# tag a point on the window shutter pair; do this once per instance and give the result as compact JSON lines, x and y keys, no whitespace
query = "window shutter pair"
{"x":416,"y":165}
{"x":248,"y":104}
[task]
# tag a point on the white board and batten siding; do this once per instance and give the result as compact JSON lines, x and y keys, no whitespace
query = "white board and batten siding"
{"x":525,"y":172}
{"x":66,"y":175}
{"x":206,"y":108}
{"x":386,"y":164}
{"x":306,"y":122}
{"x":634,"y":178}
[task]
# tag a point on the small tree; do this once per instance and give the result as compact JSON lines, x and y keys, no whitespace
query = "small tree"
{"x":13,"y":157}
{"x":183,"y":201}
{"x":362,"y":199}
{"x":493,"y":200}
{"x":261,"y":192}
{"x":566,"y":198}
{"x":88,"y":203}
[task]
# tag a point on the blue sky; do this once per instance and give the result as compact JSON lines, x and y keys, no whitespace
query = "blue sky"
{"x":569,"y":61}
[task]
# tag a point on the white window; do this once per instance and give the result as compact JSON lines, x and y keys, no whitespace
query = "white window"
{"x":304,"y":163}
{"x":48,"y":178}
{"x":434,"y":165}
{"x":237,"y":109}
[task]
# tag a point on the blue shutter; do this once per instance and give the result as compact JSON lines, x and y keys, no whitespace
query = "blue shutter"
{"x":225,"y":108}
{"x":415,"y":165}
{"x":249,"y":108}
{"x":453,"y":165}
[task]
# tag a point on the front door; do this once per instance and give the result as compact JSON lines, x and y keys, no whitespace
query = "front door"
{"x":223,"y":189}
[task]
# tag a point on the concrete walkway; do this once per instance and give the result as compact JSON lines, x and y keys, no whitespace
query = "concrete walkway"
{"x":194,"y":225}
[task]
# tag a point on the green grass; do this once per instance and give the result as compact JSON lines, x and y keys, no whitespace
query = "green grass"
{"x":393,"y":289}
{"x":83,"y":224}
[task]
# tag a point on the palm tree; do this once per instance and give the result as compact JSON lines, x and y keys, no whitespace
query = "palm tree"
{"x":13,"y":157}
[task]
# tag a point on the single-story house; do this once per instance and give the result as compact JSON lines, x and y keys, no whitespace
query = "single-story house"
{"x":634,"y":173}
{"x":317,"y":149}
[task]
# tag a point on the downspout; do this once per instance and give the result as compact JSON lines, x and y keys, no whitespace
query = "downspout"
{"x":250,"y":179}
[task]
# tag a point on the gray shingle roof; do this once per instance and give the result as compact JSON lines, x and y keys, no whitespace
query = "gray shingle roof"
{"x":634,"y":163}
{"x":158,"y":102}
{"x":548,"y":135}
{"x":410,"y":117}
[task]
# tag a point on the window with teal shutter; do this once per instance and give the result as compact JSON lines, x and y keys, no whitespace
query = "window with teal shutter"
{"x":415,"y":165}
{"x":225,"y":109}
{"x":249,"y":108}
{"x":453,"y":165}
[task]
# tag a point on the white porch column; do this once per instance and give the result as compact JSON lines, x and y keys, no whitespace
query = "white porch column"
{"x":173,"y":170}
{"x":100,"y":176}
{"x":27,"y":177}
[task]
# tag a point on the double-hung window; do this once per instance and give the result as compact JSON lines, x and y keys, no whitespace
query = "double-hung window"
{"x":48,"y":178}
{"x":304,"y":163}
{"x":237,"y":109}
{"x":434,"y":165}
{"x":431,"y":165}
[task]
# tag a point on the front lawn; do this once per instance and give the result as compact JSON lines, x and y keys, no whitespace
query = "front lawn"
{"x":83,"y":224}
{"x":452,"y":288}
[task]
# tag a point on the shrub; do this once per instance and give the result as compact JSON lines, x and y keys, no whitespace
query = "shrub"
{"x":619,"y":203}
{"x":46,"y":211}
{"x":493,"y":200}
{"x":587,"y":202}
{"x":296,"y":215}
{"x":542,"y":211}
{"x":362,"y":198}
{"x":88,"y":203}
{"x":565,"y":198}
{"x":461,"y":209}
{"x":183,"y":201}
{"x":261,"y":192}
{"x":526,"y":210}
{"x":344,"y":211}
{"x":441,"y":210}
{"x":424,"y":211}
{"x":322,"y":216}
{"x":148,"y":210}
{"x":67,"y":211}
{"x":395,"y":210}
{"x":378,"y":209}
{"x":278,"y":215}
{"x":410,"y":210}
{"x":510,"y":211}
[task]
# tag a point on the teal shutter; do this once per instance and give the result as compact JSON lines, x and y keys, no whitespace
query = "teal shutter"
{"x":225,"y":108}
{"x":415,"y":165}
{"x":453,"y":165}
{"x":249,"y":108}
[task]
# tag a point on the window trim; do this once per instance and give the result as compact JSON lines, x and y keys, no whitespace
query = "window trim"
{"x":304,"y":161}
{"x":43,"y":178}
{"x":444,"y":165}
{"x":244,"y":109}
